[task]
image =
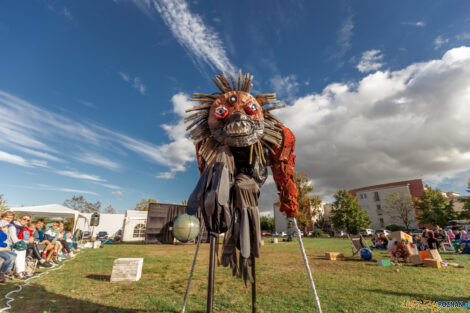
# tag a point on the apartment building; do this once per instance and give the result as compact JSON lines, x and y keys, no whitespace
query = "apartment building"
{"x":373,"y":200}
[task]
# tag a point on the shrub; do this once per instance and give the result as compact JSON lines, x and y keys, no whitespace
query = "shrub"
{"x":395,"y":227}
{"x":317,"y":233}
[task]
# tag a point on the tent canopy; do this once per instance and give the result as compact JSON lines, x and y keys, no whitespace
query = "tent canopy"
{"x":50,"y":210}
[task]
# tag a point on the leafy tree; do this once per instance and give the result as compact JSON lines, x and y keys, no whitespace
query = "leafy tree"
{"x":143,"y":205}
{"x":347,"y":214}
{"x":109,"y":209}
{"x":435,"y":208}
{"x":267,"y":223}
{"x":465,"y":214}
{"x":324,"y":224}
{"x":3,"y":204}
{"x":80,"y":204}
{"x":400,"y":208}
{"x":309,"y":205}
{"x":184,"y":202}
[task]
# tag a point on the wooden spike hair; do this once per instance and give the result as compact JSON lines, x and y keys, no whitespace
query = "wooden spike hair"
{"x":198,"y":119}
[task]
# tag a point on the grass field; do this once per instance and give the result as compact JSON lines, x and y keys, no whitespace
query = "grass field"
{"x":82,"y":285}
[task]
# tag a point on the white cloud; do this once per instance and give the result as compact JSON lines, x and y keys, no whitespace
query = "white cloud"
{"x":109,"y":186}
{"x":135,"y":82}
{"x":87,"y":103}
{"x":189,"y":29}
{"x":439,"y":42}
{"x":53,"y":188}
{"x":13,"y":159}
{"x":370,"y":61}
{"x":34,"y":130}
{"x":344,"y":36}
{"x":67,"y":14}
{"x":463,"y":36}
{"x":117,"y":192}
{"x":165,"y":175}
{"x":70,"y":190}
{"x":417,"y":24}
{"x":78,"y":175}
{"x":389,"y":126}
{"x":285,"y":86}
{"x":98,"y":160}
{"x":181,"y":149}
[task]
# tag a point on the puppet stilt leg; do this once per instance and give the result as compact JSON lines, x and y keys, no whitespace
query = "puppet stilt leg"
{"x":304,"y":255}
{"x":253,"y":286}
{"x":192,"y":270}
{"x":210,"y":285}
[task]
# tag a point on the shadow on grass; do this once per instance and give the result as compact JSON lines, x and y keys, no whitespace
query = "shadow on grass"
{"x":99,"y":277}
{"x":41,"y":300}
{"x":418,"y":296}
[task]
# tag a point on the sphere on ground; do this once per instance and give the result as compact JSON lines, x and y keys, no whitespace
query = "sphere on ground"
{"x":186,"y":228}
{"x":365,"y":254}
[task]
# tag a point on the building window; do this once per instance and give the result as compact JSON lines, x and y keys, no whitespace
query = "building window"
{"x":363,"y":196}
{"x":382,"y":223}
{"x":379,"y":209}
{"x":376,"y":196}
{"x":139,"y":231}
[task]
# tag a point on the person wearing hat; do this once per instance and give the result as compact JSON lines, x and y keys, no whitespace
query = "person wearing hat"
{"x":5,"y":253}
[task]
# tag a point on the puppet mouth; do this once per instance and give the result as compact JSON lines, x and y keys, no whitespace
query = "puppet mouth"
{"x":238,"y":128}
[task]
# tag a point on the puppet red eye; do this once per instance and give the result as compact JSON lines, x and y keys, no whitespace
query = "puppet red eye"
{"x":251,"y":108}
{"x":221,"y":111}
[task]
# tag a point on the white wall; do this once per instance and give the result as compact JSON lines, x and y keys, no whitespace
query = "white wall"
{"x":131,"y":220}
{"x":367,"y":201}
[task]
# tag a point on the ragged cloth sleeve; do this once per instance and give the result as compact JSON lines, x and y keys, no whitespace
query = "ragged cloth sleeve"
{"x":282,"y":165}
{"x":201,"y":164}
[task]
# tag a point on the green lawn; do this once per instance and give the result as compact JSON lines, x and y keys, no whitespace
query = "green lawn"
{"x":82,"y":285}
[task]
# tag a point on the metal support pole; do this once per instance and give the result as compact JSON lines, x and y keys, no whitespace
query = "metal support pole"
{"x":253,"y":286}
{"x":304,"y":255}
{"x":192,"y":269}
{"x":210,"y":285}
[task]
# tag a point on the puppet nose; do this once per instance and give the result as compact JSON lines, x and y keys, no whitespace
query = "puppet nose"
{"x":238,"y":116}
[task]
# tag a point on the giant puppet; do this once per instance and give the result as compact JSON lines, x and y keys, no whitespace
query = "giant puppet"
{"x":237,"y":138}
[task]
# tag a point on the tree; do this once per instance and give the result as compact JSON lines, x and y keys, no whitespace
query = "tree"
{"x":347,"y":214}
{"x":324,"y":224}
{"x":143,"y":205}
{"x":80,"y":204}
{"x":400,"y":208}
{"x":267,"y":223}
{"x":465,"y":214}
{"x":3,"y":204}
{"x":309,"y":205}
{"x":184,"y":202}
{"x":435,"y":208}
{"x":109,"y":209}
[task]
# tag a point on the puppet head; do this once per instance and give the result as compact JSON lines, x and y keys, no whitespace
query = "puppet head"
{"x":233,"y":116}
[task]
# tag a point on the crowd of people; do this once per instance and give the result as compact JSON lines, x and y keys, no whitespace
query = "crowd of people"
{"x":430,"y":238}
{"x":25,"y":244}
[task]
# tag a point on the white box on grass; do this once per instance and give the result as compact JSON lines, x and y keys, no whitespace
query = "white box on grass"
{"x":127,"y":269}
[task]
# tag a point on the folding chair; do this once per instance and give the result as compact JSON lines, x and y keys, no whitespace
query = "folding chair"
{"x":357,"y":243}
{"x":447,"y":244}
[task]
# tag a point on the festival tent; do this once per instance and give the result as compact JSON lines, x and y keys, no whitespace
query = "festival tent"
{"x":50,"y":210}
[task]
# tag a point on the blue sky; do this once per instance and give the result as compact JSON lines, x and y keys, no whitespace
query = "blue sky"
{"x":92,"y":93}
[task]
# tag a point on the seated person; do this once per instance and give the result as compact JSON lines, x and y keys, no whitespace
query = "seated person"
{"x":5,"y":253}
{"x":382,"y":242}
{"x":33,"y":249}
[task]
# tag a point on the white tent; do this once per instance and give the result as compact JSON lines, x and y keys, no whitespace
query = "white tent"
{"x":50,"y":210}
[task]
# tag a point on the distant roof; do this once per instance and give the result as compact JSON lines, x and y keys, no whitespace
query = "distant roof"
{"x":416,"y":187}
